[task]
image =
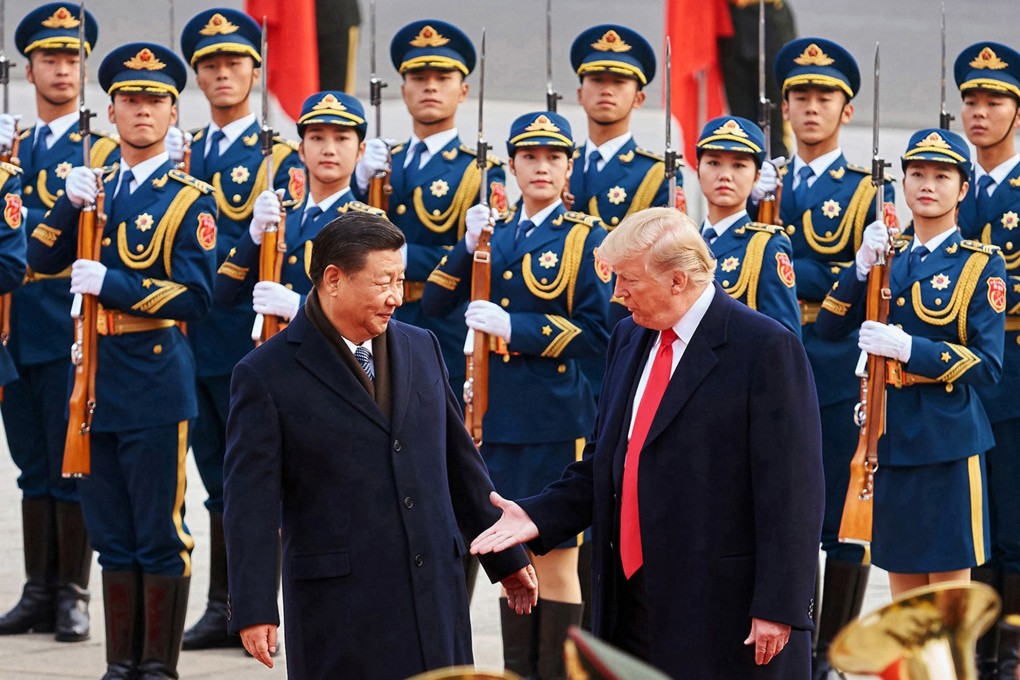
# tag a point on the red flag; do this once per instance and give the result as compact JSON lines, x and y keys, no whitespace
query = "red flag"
{"x":293,"y":49}
{"x":694,"y":28}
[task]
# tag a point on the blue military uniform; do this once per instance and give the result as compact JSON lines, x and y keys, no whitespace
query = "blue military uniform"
{"x":429,"y":203}
{"x":753,"y":260}
{"x":158,"y":249}
{"x":12,"y":253}
{"x":239,"y":272}
{"x":951,"y":302}
{"x":58,"y":556}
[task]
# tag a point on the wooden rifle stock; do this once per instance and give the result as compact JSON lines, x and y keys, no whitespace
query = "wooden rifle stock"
{"x":476,"y":386}
{"x":768,"y":208}
{"x":271,"y":254}
{"x":856,"y":523}
{"x":379,"y":190}
{"x":84,"y":351}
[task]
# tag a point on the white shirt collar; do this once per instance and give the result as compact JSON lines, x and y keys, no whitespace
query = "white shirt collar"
{"x":819,"y":165}
{"x":689,"y":322}
{"x":433,"y":143}
{"x":367,"y":345}
{"x":725,"y":223}
{"x":59,"y":126}
{"x":998,"y":173}
{"x":144,"y":170}
{"x":232,"y":130}
{"x":607,"y":149}
{"x":934,"y":242}
{"x":540,"y":216}
{"x":327,"y":202}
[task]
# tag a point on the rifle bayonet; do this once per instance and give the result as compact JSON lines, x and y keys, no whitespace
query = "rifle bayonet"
{"x":551,"y":95}
{"x":84,"y":114}
{"x":945,"y":118}
{"x":266,"y":134}
{"x":671,"y":156}
{"x":5,"y":63}
{"x":375,"y":83}
{"x":482,"y":159}
{"x":764,"y":104}
{"x":878,"y":164}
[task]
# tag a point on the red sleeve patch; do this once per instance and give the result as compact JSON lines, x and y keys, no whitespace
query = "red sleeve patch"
{"x":206,"y":231}
{"x":12,"y":210}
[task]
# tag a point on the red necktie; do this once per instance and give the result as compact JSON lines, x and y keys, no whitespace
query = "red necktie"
{"x":630,"y":521}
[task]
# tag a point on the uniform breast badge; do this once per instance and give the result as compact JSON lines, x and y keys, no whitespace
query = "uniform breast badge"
{"x":617,"y":195}
{"x":831,"y":209}
{"x":940,"y":282}
{"x":1010,"y":220}
{"x":548,"y":260}
{"x":143,"y":222}
{"x":63,"y":170}
{"x":439,"y":188}
{"x":730,"y":263}
{"x":240,"y":174}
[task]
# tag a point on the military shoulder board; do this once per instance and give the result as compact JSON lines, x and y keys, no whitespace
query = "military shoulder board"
{"x":589,"y":221}
{"x":361,"y":207}
{"x":648,"y":154}
{"x":767,"y":228}
{"x":10,"y":168}
{"x":185,"y":178}
{"x":286,"y":142}
{"x":979,"y":247}
{"x":867,"y":171}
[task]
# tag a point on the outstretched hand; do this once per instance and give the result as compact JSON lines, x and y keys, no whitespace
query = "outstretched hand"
{"x":521,"y":590}
{"x":513,"y":528}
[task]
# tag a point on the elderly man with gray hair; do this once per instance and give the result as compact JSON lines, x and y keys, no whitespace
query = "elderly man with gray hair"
{"x":703,"y":482}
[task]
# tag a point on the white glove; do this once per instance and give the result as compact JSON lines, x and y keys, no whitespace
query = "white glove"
{"x":266,"y":212}
{"x":176,"y":141}
{"x":275,"y":299}
{"x":87,"y":277}
{"x":768,"y":180}
{"x":874,"y":243}
{"x":488,"y":317}
{"x":375,"y":160}
{"x":885,"y":341}
{"x":8,"y":128}
{"x":81,"y":186}
{"x":476,"y":219}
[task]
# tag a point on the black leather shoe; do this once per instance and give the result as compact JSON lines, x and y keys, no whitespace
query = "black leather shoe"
{"x":210,"y":631}
{"x":72,"y":614}
{"x":33,"y":612}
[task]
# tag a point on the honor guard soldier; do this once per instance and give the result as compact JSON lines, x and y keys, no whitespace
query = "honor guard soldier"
{"x":156,"y":268}
{"x":58,"y":558}
{"x":826,"y":204}
{"x":754,"y":260}
{"x":988,"y":75}
{"x":434,"y":177}
{"x":222,"y":46}
{"x":943,"y":339}
{"x":549,"y":300}
{"x":332,"y":128}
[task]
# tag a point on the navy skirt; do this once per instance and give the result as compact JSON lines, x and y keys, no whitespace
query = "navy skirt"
{"x":931,"y":518}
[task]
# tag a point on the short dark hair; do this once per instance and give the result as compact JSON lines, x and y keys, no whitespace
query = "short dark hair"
{"x":346,"y":242}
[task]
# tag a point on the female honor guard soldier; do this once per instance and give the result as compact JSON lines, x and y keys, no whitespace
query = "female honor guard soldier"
{"x":222,"y":46}
{"x":156,"y":267}
{"x":988,"y":75}
{"x":943,"y":339}
{"x":58,"y":558}
{"x":332,"y":128}
{"x":551,"y":304}
{"x":754,"y":259}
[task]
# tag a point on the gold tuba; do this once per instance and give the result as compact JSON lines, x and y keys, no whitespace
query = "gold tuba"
{"x":465,"y":673}
{"x":929,"y":633}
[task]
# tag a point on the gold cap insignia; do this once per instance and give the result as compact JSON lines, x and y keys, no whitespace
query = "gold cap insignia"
{"x":731,"y":127}
{"x":429,"y":37}
{"x":611,"y":42}
{"x":329,"y":102}
{"x":813,"y":56}
{"x":542,"y":124}
{"x":934,"y":140}
{"x":62,"y":18}
{"x":987,"y":58}
{"x":218,"y":25}
{"x":145,"y":61}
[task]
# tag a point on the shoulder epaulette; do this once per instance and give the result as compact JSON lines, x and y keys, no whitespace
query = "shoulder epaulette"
{"x":185,"y":178}
{"x":286,"y":142}
{"x":767,"y":228}
{"x":576,"y":154}
{"x":582,"y":218}
{"x":492,"y":159}
{"x":648,"y":154}
{"x":25,"y":133}
{"x":10,"y":168}
{"x":397,"y":147}
{"x":361,"y":207}
{"x":979,"y":247}
{"x":104,"y":135}
{"x":901,"y":244}
{"x":196,"y":133}
{"x":853,"y":167}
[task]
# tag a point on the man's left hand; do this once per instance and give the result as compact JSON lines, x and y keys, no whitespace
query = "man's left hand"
{"x":87,"y":277}
{"x":768,"y":638}
{"x":521,"y":590}
{"x":488,"y":317}
{"x":272,"y":298}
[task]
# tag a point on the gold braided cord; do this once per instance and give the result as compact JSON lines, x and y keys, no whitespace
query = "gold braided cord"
{"x":593,"y":208}
{"x":233,"y":271}
{"x":45,"y":196}
{"x":162,"y":236}
{"x":649,"y":186}
{"x":243,"y":211}
{"x":968,"y":360}
{"x":101,"y":150}
{"x":568,"y":331}
{"x":855,"y":214}
{"x":956,"y":309}
{"x":1012,"y":259}
{"x":860,"y":204}
{"x":467,"y":192}
{"x":444,"y":280}
{"x":750,"y":271}
{"x":573,"y":251}
{"x":164,"y":293}
{"x":831,"y":304}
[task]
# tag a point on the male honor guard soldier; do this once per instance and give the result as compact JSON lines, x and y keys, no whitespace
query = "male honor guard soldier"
{"x":988,"y":75}
{"x":434,"y":175}
{"x":58,"y":558}
{"x":332,"y":128}
{"x":156,"y":268}
{"x":826,"y":204}
{"x":754,"y":259}
{"x":222,"y":45}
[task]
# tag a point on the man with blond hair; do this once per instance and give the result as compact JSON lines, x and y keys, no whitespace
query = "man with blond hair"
{"x":702,"y":485}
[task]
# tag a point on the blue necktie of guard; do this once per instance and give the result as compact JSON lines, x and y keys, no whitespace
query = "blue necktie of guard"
{"x":916,"y":255}
{"x":591,"y":173}
{"x":310,"y":215}
{"x":40,"y":145}
{"x":364,"y":358}
{"x":709,"y":234}
{"x":981,"y":197}
{"x":523,"y":227}
{"x":416,"y":153}
{"x":213,"y":155}
{"x":800,"y":193}
{"x":125,"y":184}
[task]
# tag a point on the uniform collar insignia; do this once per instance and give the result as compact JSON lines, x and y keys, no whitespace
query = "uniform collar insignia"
{"x":145,"y":61}
{"x":429,"y":37}
{"x":611,"y":42}
{"x":62,"y":18}
{"x":218,"y":25}
{"x":814,"y":56}
{"x":987,"y":58}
